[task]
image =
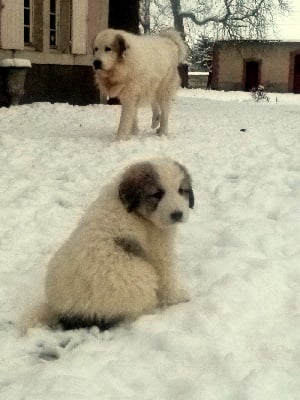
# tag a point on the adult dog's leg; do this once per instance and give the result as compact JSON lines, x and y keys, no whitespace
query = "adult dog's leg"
{"x":164,"y":119}
{"x":135,"y":127}
{"x":155,"y":115}
{"x":128,"y":114}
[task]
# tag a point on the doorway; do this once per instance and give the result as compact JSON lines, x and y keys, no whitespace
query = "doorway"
{"x":297,"y":74}
{"x":252,"y":74}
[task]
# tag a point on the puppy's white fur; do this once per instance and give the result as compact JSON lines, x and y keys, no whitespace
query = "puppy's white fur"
{"x":119,"y":262}
{"x":139,"y":70}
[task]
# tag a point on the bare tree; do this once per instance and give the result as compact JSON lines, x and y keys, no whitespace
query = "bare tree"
{"x":235,"y":19}
{"x":155,"y":15}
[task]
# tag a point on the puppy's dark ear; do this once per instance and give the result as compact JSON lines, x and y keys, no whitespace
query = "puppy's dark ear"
{"x":120,"y":44}
{"x":129,"y":195}
{"x":191,"y":198}
{"x":188,"y":182}
{"x":138,"y":180}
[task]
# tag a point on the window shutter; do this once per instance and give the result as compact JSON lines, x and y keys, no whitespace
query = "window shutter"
{"x":79,"y":26}
{"x":12,"y":24}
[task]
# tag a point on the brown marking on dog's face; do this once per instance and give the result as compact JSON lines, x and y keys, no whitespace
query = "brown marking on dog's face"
{"x":140,"y":185}
{"x":186,"y":185}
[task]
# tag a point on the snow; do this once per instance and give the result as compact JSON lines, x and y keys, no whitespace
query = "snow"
{"x":238,"y":337}
{"x":15,"y":62}
{"x":197,"y":73}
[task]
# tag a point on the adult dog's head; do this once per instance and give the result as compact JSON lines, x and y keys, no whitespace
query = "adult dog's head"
{"x":108,"y":49}
{"x":158,"y":190}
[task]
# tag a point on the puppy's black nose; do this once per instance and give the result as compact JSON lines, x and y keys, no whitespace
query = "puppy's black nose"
{"x":97,"y":64}
{"x":176,"y":216}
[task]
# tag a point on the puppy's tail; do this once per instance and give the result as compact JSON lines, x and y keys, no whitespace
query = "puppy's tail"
{"x":40,"y":314}
{"x":176,"y":38}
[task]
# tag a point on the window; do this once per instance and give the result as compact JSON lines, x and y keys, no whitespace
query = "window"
{"x":54,"y":16}
{"x":28,"y":21}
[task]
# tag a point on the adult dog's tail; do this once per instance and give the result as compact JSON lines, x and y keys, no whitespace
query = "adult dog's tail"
{"x":176,"y":38}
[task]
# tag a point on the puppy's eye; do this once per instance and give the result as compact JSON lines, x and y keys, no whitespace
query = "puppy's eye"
{"x":96,"y":49}
{"x":158,"y":195}
{"x":107,"y":48}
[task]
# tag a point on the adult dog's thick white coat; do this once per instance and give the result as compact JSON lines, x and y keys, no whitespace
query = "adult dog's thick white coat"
{"x":119,"y":262}
{"x":139,"y":70}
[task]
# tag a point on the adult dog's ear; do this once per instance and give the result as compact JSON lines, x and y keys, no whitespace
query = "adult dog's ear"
{"x":120,"y":45}
{"x":137,"y":181}
{"x":92,"y":44}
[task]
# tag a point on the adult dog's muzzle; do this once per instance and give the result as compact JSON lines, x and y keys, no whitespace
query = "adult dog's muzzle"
{"x":97,"y":64}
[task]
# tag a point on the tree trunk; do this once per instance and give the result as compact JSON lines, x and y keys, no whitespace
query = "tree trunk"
{"x":178,"y":20}
{"x":183,"y":69}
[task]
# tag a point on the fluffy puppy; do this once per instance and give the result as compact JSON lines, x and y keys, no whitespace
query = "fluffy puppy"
{"x":139,"y":70}
{"x":119,"y":262}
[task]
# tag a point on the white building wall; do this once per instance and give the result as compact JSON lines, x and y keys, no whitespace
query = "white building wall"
{"x":79,"y":26}
{"x":12,"y":24}
{"x":77,"y":31}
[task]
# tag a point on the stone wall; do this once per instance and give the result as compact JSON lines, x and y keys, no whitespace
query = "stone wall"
{"x":198,"y":80}
{"x":276,"y":61}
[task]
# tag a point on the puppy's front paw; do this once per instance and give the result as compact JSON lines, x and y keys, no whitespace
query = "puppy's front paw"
{"x":175,"y":297}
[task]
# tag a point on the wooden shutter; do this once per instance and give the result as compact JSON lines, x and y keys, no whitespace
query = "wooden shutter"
{"x":12,"y":24}
{"x":79,"y":26}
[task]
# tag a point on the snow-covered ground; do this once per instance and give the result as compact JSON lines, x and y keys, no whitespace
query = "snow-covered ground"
{"x":239,"y":254}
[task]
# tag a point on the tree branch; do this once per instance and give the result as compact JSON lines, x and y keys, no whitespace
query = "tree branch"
{"x":229,"y":15}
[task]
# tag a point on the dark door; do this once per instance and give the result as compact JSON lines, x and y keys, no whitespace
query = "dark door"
{"x":297,"y":74}
{"x":252,"y":75}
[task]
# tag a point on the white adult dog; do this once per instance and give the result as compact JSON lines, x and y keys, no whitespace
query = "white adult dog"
{"x":139,"y":70}
{"x":119,"y":262}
